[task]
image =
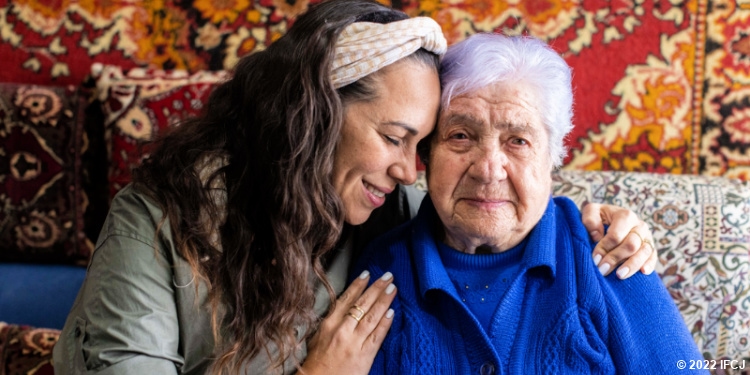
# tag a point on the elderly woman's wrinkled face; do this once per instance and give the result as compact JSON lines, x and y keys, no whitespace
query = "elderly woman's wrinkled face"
{"x":379,"y":138}
{"x":490,"y":166}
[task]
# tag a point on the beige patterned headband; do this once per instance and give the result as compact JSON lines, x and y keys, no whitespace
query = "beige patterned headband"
{"x":366,"y":47}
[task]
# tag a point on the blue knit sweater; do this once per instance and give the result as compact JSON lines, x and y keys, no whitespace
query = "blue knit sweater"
{"x":559,"y":315}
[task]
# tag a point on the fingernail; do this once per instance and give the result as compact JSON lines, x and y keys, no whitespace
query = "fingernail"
{"x":389,"y":289}
{"x":647,"y":269}
{"x":622,"y":272}
{"x":364,"y":274}
{"x":386,"y":276}
{"x":389,"y":314}
{"x":604,"y":268}
{"x":597,"y":259}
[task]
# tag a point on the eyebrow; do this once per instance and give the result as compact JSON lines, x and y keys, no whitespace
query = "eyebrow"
{"x":408,"y":128}
{"x":473,"y":121}
{"x":463,"y":118}
{"x":517,"y":127}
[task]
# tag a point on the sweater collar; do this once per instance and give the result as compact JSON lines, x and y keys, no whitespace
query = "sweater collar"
{"x":539,"y":254}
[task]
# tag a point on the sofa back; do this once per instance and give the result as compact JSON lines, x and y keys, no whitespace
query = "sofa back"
{"x":701,"y":228}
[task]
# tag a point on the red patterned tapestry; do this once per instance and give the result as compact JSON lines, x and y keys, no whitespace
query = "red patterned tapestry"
{"x":660,"y":86}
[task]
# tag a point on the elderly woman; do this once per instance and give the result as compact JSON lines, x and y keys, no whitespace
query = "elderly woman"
{"x":494,"y":275}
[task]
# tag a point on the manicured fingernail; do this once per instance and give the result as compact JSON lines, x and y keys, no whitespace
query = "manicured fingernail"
{"x":604,"y":268}
{"x":622,"y":272}
{"x":647,"y":269}
{"x":364,"y":274}
{"x":389,"y":289}
{"x":389,"y":314}
{"x":386,"y":276}
{"x":597,"y":259}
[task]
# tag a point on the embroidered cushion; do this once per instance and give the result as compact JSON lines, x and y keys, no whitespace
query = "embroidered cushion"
{"x":42,"y":202}
{"x":139,"y":104}
{"x":26,"y":350}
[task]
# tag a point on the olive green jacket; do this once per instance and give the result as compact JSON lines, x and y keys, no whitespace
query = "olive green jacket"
{"x":138,"y":312}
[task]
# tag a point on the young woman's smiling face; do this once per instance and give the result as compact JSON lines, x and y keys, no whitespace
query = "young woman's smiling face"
{"x":378,"y":143}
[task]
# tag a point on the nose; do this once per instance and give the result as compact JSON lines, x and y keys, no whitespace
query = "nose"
{"x":405,"y":169}
{"x":488,"y":165}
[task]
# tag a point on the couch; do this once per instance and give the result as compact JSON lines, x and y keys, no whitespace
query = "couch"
{"x":67,"y":150}
{"x":701,"y":228}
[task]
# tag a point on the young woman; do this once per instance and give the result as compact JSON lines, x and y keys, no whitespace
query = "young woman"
{"x":238,"y":232}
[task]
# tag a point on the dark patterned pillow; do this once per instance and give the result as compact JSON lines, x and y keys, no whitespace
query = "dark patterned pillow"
{"x":26,"y":350}
{"x":141,"y":103}
{"x":41,"y":200}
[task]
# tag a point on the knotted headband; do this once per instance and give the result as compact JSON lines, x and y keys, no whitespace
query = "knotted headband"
{"x":366,"y":47}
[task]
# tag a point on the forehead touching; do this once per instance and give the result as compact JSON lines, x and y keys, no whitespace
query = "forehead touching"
{"x":404,"y":95}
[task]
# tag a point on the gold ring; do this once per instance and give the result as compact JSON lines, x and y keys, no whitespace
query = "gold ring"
{"x":356,"y":317}
{"x":649,"y":244}
{"x":646,"y":241}
{"x":639,"y":236}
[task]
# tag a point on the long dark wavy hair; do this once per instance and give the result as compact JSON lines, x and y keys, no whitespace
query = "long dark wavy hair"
{"x":273,"y":128}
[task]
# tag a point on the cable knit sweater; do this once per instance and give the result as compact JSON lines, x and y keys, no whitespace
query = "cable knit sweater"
{"x":559,"y":315}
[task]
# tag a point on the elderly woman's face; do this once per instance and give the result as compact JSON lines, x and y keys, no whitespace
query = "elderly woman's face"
{"x":490,"y":167}
{"x":379,"y":138}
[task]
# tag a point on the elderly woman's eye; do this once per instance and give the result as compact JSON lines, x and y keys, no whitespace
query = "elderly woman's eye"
{"x":459,"y":136}
{"x":519,"y":141}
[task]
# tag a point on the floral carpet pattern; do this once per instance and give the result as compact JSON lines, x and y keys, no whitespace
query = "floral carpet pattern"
{"x":660,"y":86}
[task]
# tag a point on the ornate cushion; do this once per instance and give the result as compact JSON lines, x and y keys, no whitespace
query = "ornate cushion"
{"x":701,"y":226}
{"x":42,"y":203}
{"x":140,"y":104}
{"x":26,"y":350}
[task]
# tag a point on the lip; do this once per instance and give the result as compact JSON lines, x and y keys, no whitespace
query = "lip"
{"x":486,"y":203}
{"x":374,"y":199}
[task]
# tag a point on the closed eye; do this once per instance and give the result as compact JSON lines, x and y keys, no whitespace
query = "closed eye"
{"x":392,"y":140}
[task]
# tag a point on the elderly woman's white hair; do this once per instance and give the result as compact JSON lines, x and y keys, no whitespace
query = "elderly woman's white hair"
{"x":485,"y":59}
